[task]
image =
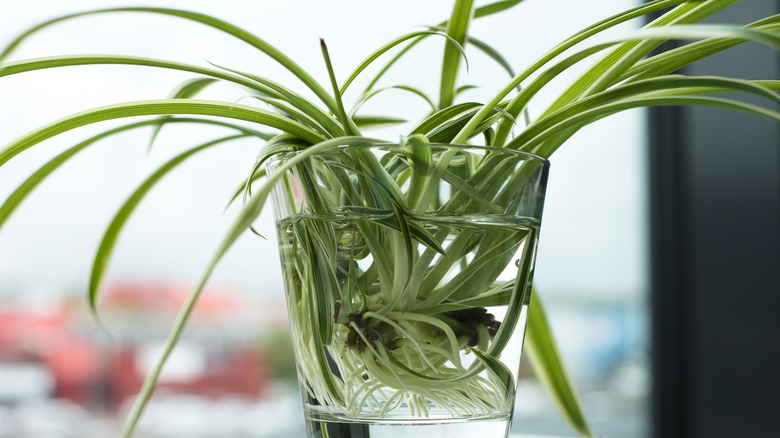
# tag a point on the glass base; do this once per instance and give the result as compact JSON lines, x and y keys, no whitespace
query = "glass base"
{"x":489,"y":428}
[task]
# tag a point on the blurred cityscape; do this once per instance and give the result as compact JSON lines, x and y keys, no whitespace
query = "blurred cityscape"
{"x":233,"y":374}
{"x":62,"y":376}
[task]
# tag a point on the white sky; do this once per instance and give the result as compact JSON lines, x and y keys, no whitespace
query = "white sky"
{"x":593,"y":232}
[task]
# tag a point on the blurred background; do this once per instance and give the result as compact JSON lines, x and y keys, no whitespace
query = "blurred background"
{"x":233,"y":374}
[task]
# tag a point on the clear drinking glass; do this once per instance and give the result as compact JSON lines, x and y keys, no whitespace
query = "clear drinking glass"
{"x":408,"y":272}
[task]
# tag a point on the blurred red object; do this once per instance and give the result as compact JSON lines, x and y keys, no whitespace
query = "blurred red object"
{"x":45,"y":338}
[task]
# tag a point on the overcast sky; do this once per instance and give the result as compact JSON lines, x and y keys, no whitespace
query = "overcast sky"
{"x":593,"y":233}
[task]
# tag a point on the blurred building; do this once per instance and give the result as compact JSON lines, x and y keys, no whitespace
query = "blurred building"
{"x":59,"y":352}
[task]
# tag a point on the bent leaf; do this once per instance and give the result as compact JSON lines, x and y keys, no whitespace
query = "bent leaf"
{"x":27,"y":187}
{"x":116,"y":225}
{"x":543,"y":356}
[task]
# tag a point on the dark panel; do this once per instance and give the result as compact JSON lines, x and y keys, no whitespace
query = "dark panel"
{"x":716,"y":258}
{"x":669,"y":253}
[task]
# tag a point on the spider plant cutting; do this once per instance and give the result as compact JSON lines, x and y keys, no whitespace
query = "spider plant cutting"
{"x":400,"y":310}
{"x":396,"y":252}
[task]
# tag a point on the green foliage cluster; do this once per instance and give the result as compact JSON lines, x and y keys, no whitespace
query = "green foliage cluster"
{"x":624,"y":73}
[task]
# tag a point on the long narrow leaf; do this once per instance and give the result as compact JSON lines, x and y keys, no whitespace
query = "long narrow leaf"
{"x":368,"y":122}
{"x":260,"y":85}
{"x":244,"y":220}
{"x":386,"y":47}
{"x":500,"y":372}
{"x":185,"y":90}
{"x":111,"y":235}
{"x":442,"y":117}
{"x":667,"y":86}
{"x":27,"y":187}
{"x":679,"y":57}
{"x":16,"y":67}
{"x":294,"y":99}
{"x":570,"y":42}
{"x":658,"y":34}
{"x":414,"y":90}
{"x":457,"y":29}
{"x":153,"y":108}
{"x":289,"y":112}
{"x":347,"y":124}
{"x":616,"y":107}
{"x":542,"y":353}
{"x":630,"y":51}
{"x":482,"y":11}
{"x":210,"y":21}
{"x":494,"y":8}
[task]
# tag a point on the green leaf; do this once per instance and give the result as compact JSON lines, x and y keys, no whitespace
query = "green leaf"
{"x":494,"y":8}
{"x":764,"y":36}
{"x":677,"y":58}
{"x":505,"y":126}
{"x":414,"y":90}
{"x":519,"y":298}
{"x":258,"y":84}
{"x":346,"y":122}
{"x":461,"y":185}
{"x":245,"y":185}
{"x":16,"y":67}
{"x":450,"y":131}
{"x":593,"y":114}
{"x":640,"y":43}
{"x":500,"y":372}
{"x":158,"y":107}
{"x":208,"y":20}
{"x":244,"y":220}
{"x":279,"y":144}
{"x":481,"y":272}
{"x":442,"y":117}
{"x":659,"y":34}
{"x":542,"y":353}
{"x":457,"y":29}
{"x":116,"y":225}
{"x":482,"y":11}
{"x":285,"y":94}
{"x":411,"y":229}
{"x":499,"y":295}
{"x":21,"y":193}
{"x":386,"y":47}
{"x":319,"y":244}
{"x":368,"y":122}
{"x":624,"y":78}
{"x":185,"y":90}
{"x":284,"y":110}
{"x":655,"y":87}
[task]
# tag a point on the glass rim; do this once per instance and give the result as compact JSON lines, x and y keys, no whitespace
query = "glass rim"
{"x":274,"y":159}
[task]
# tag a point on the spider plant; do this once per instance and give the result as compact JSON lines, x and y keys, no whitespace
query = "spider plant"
{"x":624,"y":72}
{"x":393,"y":257}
